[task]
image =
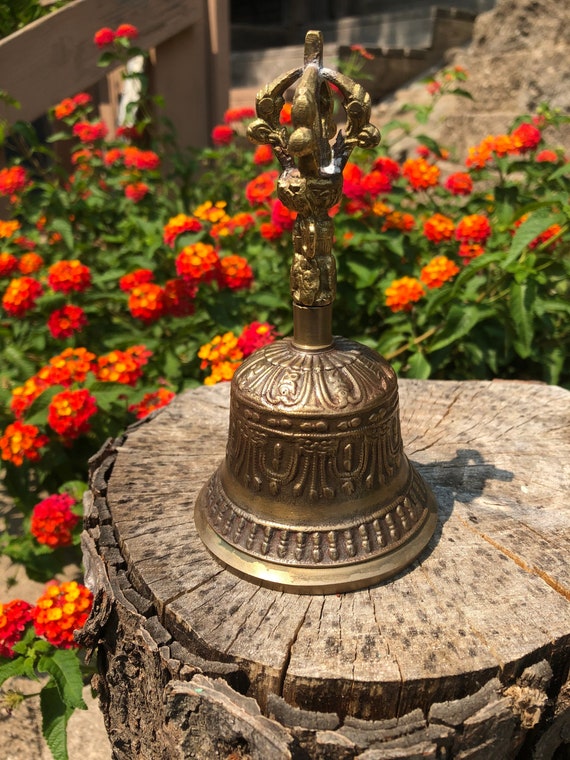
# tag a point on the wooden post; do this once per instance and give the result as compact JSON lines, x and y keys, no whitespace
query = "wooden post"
{"x":463,"y":655}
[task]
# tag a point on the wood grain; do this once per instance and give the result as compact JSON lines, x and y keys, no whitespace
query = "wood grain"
{"x":487,"y":598}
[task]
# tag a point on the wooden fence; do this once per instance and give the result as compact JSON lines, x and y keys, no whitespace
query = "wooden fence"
{"x":55,"y":57}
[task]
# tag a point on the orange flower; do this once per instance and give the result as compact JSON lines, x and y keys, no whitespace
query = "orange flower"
{"x":439,"y":228}
{"x":479,"y":155}
{"x":178,"y":225}
{"x":212,"y":212}
{"x":64,"y":322}
{"x":12,"y":180}
{"x":151,"y":401}
{"x":235,"y":273}
{"x":260,"y":189}
{"x":14,"y":617}
{"x":8,"y":228}
{"x":122,"y":366}
{"x":53,"y":521}
{"x":235,"y":225}
{"x":67,"y":276}
{"x":60,"y":610}
{"x":146,"y":302}
{"x":474,"y":228}
{"x":263,"y":155}
{"x":238,"y":114}
{"x":552,"y":232}
{"x":69,"y":413}
{"x":398,"y":220}
{"x":21,"y":296}
{"x":222,"y":355}
{"x":197,"y":263}
{"x":111,"y":156}
{"x":65,"y":108}
{"x":140,"y":159}
{"x":439,"y":270}
{"x":420,"y":174}
{"x":21,"y":442}
{"x":24,"y":395}
{"x":403,"y":293}
{"x":70,"y":366}
{"x":221,"y":372}
{"x":362,"y":51}
{"x":8,"y":263}
{"x":285,"y":115}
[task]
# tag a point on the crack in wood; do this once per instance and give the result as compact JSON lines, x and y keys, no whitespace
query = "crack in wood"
{"x":291,"y":644}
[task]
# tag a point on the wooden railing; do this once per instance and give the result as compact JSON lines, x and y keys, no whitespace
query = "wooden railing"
{"x":55,"y":57}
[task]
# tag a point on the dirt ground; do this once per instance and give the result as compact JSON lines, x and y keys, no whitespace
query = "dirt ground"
{"x":20,"y":732}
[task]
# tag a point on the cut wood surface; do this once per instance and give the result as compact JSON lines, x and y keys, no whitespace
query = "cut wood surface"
{"x":488,"y":598}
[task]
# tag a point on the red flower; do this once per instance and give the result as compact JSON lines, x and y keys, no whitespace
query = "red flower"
{"x":8,"y":264}
{"x":526,"y":137}
{"x":104,"y":37}
{"x":70,"y":366}
{"x":254,"y":336}
{"x":376,"y":182}
{"x":140,"y":159}
{"x":65,"y":108}
{"x":238,"y":114}
{"x":146,"y":302}
{"x":197,"y":263}
{"x":122,"y":366}
{"x":402,"y":293}
{"x":53,"y":521}
{"x":21,"y":442}
{"x":263,"y":155}
{"x":270,"y":231}
{"x":260,"y":189}
{"x":473,"y":229}
{"x":127,"y":30}
{"x":468,"y":251}
{"x":281,"y":216}
{"x":21,"y":295}
{"x":69,"y":413}
{"x":235,"y":273}
{"x":12,"y":180}
{"x":459,"y":183}
{"x":65,"y":276}
{"x":438,"y":228}
{"x":222,"y":135}
{"x":387,"y":166}
{"x":352,"y":185}
{"x":136,"y":191}
{"x":14,"y":617}
{"x":179,"y":297}
{"x":547,"y":156}
{"x":129,"y":281}
{"x":151,"y":401}
{"x":82,"y":99}
{"x":62,"y":609}
{"x":112,"y":156}
{"x":88,"y":132}
{"x":64,"y":322}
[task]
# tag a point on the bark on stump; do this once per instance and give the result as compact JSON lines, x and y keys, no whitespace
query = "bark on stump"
{"x":463,"y":655}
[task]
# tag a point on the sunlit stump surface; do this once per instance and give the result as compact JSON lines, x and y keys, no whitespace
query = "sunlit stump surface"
{"x":463,"y":655}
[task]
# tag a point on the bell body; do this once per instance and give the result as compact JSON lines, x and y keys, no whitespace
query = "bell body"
{"x":315,"y":494}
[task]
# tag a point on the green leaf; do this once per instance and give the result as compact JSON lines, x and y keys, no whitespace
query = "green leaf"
{"x":521,"y":303}
{"x":12,"y":668}
{"x":430,"y":143}
{"x":530,"y":229}
{"x":55,"y":715}
{"x":105,"y":59}
{"x":418,"y":367}
{"x":459,"y":322}
{"x":64,"y":228}
{"x":461,"y":92}
{"x":365,"y":276}
{"x":63,"y":667}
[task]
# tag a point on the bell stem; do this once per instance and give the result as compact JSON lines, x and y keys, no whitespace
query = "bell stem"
{"x":312,"y":327}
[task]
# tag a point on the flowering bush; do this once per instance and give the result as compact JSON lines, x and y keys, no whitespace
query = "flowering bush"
{"x":124,"y":282}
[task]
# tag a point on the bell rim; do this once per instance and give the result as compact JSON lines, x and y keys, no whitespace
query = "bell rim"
{"x":317,"y":580}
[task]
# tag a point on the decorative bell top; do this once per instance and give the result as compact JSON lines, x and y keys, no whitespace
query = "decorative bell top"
{"x":315,"y":494}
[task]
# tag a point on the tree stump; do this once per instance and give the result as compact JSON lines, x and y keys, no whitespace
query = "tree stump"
{"x":463,"y":655}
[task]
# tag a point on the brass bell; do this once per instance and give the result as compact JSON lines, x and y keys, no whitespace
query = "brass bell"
{"x":315,"y":494}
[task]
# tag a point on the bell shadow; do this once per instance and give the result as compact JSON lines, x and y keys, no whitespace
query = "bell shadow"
{"x":463,"y":479}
